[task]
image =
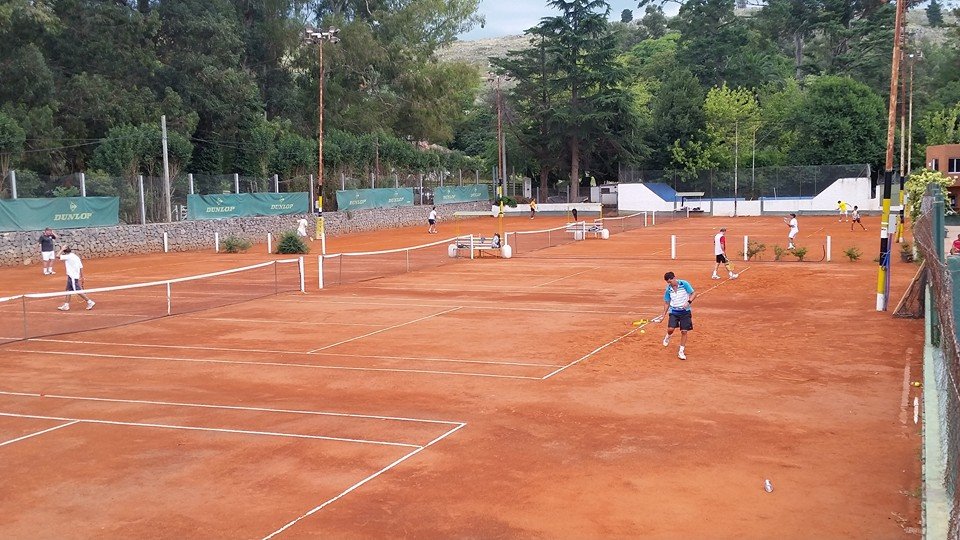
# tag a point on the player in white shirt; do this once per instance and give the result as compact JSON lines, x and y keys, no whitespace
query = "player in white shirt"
{"x":720,"y":250}
{"x":74,"y":268}
{"x":856,"y":218}
{"x":794,"y":229}
{"x":432,"y":220}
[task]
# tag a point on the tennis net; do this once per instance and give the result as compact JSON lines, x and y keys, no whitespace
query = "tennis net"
{"x":627,"y":223}
{"x":523,"y":242}
{"x":36,"y":315}
{"x":342,"y":268}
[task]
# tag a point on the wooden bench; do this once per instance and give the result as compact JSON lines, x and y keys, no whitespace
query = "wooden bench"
{"x":476,"y":244}
{"x":584,"y":228}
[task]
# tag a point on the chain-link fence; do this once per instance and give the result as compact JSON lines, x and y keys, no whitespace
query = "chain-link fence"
{"x":928,"y":234}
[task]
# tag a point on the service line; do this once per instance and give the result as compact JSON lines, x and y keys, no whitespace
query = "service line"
{"x":384,"y":329}
{"x":48,"y":430}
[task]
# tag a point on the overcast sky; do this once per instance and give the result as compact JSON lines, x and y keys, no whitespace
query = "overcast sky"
{"x":512,"y":17}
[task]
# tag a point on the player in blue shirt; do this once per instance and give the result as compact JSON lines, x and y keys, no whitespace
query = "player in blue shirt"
{"x":677,"y":300}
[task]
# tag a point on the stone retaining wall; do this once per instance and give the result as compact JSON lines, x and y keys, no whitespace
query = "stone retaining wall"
{"x":22,"y":248}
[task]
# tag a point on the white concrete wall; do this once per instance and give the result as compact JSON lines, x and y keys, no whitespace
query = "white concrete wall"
{"x":854,"y":191}
{"x":637,"y":198}
{"x":744,"y":208}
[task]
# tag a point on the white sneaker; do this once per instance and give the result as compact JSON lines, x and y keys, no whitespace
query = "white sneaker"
{"x":64,"y":307}
{"x":734,"y":276}
{"x":52,"y":272}
{"x":681,"y":355}
{"x":90,"y":304}
{"x":714,"y":277}
{"x":666,"y":340}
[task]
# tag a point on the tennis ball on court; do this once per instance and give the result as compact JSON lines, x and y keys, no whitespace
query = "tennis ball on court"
{"x":643,"y":331}
{"x":915,"y":383}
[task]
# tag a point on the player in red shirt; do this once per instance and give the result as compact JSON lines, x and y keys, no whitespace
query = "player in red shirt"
{"x":955,"y":250}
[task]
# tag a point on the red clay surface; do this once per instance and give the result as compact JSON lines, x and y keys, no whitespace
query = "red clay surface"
{"x":489,"y":399}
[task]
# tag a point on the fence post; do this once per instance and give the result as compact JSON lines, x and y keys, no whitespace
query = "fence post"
{"x":477,"y":172}
{"x":236,"y":183}
{"x":421,"y":188}
{"x":829,"y":248}
{"x":13,"y":183}
{"x":673,"y":246}
{"x":269,"y":243}
{"x":746,"y":246}
{"x":313,"y":201}
{"x":83,"y":185}
{"x":276,"y":184}
{"x":216,"y":242}
{"x":343,"y":181}
{"x":166,"y":245}
{"x":143,"y":204}
{"x":373,"y":181}
{"x":190,"y":181}
{"x":460,"y":176}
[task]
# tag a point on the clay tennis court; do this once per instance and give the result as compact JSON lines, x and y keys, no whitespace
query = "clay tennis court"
{"x":489,"y":399}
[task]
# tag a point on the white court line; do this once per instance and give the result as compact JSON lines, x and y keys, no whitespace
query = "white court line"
{"x":615,"y":340}
{"x":628,"y":310}
{"x":48,"y":430}
{"x":328,"y":502}
{"x":274,"y":351}
{"x":276,"y":364}
{"x":565,"y":277}
{"x":227,"y":407}
{"x":384,"y":330}
{"x":275,"y":321}
{"x":214,"y":430}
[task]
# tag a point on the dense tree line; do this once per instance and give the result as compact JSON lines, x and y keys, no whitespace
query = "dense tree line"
{"x":798,"y":81}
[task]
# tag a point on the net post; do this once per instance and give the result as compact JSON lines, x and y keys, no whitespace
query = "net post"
{"x":688,"y":211}
{"x":269,"y":243}
{"x":471,"y":247}
{"x":276,"y":278}
{"x":26,"y":334}
{"x":216,"y":242}
{"x":166,"y":243}
{"x":673,"y":246}
{"x":746,"y":246}
{"x":653,"y":218}
{"x":829,"y":248}
{"x":169,"y":300}
{"x":320,"y":273}
{"x":303,"y":287}
{"x":406,"y":253}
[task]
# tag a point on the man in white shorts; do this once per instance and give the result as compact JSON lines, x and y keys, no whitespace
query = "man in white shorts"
{"x":842,"y":207}
{"x":794,"y":229}
{"x":74,"y":278}
{"x":432,"y":221}
{"x":720,"y":250}
{"x":47,"y":253}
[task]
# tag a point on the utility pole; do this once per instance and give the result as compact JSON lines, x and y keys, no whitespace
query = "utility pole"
{"x":312,"y":35}
{"x":883,"y":272}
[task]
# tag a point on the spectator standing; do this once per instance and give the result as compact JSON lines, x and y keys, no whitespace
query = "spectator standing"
{"x":47,"y":252}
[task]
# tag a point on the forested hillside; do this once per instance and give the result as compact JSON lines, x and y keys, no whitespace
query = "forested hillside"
{"x":800,"y":81}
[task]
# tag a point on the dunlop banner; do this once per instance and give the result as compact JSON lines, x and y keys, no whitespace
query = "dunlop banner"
{"x":58,"y":213}
{"x":359,"y":199}
{"x":456,"y":194}
{"x":246,"y":205}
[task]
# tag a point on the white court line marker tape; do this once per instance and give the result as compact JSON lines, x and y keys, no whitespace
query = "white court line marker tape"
{"x":905,"y":392}
{"x":294,"y":353}
{"x":565,"y":277}
{"x":276,"y":364}
{"x":227,"y":407}
{"x":215,"y":430}
{"x":328,"y":502}
{"x":617,"y":339}
{"x":384,"y":330}
{"x":48,"y":430}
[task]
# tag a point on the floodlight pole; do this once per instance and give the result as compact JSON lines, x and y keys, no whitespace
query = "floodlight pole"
{"x":883,"y":271}
{"x":318,"y":37}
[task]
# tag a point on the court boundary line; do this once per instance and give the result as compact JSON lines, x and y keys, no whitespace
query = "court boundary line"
{"x":357,"y":485}
{"x":278,"y":364}
{"x":229,"y":407}
{"x":208,"y":429}
{"x":41,"y":432}
{"x":565,"y":277}
{"x":277,"y":351}
{"x":619,"y":338}
{"x":325,"y":347}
